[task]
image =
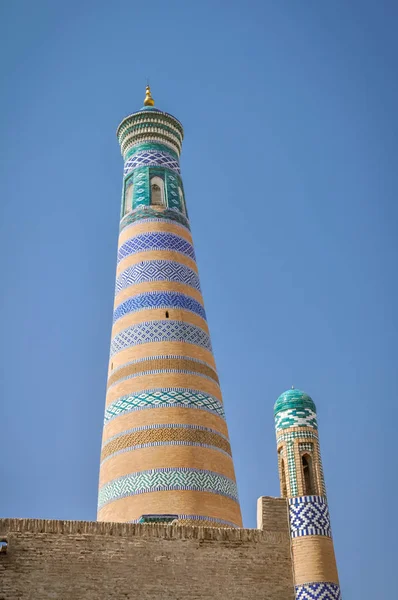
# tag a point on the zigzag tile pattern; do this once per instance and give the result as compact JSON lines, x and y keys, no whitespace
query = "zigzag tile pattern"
{"x":156,"y":240}
{"x":165,"y":398}
{"x":318,"y":591}
{"x":160,"y":480}
{"x":309,"y":515}
{"x":163,"y":364}
{"x":296,"y":417}
{"x":149,"y":158}
{"x":157,"y":270}
{"x":199,"y":521}
{"x":160,"y":331}
{"x":159,"y":300}
{"x":159,"y":435}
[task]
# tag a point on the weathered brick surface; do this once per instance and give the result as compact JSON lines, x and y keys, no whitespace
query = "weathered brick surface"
{"x":72,"y":560}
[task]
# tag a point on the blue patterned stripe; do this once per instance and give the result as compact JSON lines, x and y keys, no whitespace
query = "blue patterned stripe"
{"x":318,"y":591}
{"x":149,"y":300}
{"x":166,"y":479}
{"x":160,"y":331}
{"x":164,"y":398}
{"x":150,"y":215}
{"x":157,"y":270}
{"x":309,"y":515}
{"x":199,"y":518}
{"x":155,"y":240}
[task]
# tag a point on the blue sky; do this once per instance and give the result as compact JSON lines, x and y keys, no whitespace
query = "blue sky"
{"x":290,"y":172}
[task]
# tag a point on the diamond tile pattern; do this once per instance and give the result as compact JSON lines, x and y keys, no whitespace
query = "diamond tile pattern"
{"x":157,"y":270}
{"x":295,"y":417}
{"x":159,"y":480}
{"x":309,"y":515}
{"x":155,"y":241}
{"x":318,"y":591}
{"x":160,"y":331}
{"x":158,"y":300}
{"x":164,"y":398}
{"x":150,"y":158}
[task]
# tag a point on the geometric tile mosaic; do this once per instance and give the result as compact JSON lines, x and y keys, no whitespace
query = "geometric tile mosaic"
{"x":151,"y":215}
{"x":155,"y":300}
{"x":292,"y":435}
{"x":318,"y":591}
{"x":175,"y":434}
{"x":160,"y":331}
{"x":291,"y":466}
{"x":309,"y":515}
{"x":150,"y":146}
{"x":164,"y":398}
{"x":157,"y":270}
{"x":306,"y":446}
{"x":155,"y":241}
{"x":166,"y":479}
{"x":151,"y":158}
{"x":295,"y":417}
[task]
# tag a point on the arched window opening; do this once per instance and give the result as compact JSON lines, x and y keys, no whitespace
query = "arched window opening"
{"x":308,"y":475}
{"x":128,"y":199}
{"x":182,"y":201}
{"x":157,"y":191}
{"x":283,"y":479}
{"x":167,"y":314}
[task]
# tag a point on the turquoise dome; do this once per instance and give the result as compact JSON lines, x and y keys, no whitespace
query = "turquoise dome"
{"x":294,"y":399}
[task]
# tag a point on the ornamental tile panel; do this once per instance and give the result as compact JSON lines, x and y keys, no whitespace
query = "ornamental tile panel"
{"x":164,"y":398}
{"x":160,"y":331}
{"x":167,"y":479}
{"x":309,"y":515}
{"x":295,"y":417}
{"x":157,"y":270}
{"x":318,"y":591}
{"x":155,"y":240}
{"x":158,"y":300}
{"x":149,"y":158}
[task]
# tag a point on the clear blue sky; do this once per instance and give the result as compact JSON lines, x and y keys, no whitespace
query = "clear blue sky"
{"x":290,"y":172}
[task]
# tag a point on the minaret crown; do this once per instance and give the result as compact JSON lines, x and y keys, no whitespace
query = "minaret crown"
{"x":149,"y":101}
{"x":294,"y":399}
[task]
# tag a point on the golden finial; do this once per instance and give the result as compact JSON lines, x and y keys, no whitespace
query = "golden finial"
{"x":149,"y":101}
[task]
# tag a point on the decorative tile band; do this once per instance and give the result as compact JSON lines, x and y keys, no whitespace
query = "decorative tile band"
{"x":160,"y":331}
{"x":200,"y":521}
{"x":292,"y":435}
{"x":149,"y":158}
{"x":159,"y":435}
{"x":151,"y":146}
{"x":318,"y":591}
{"x":296,"y":417}
{"x":156,"y":300}
{"x":155,"y":240}
{"x":309,"y":515}
{"x":157,"y":270}
{"x":167,"y":479}
{"x":162,"y":364}
{"x":164,"y":398}
{"x":150,"y":214}
{"x":291,"y":466}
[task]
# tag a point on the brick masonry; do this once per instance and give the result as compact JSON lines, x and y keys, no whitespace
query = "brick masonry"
{"x":78,"y":560}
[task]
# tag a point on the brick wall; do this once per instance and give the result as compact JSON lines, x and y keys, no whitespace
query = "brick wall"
{"x":73,"y":560}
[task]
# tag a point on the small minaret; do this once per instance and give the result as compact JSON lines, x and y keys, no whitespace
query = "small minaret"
{"x":302,"y":483}
{"x":166,"y":454}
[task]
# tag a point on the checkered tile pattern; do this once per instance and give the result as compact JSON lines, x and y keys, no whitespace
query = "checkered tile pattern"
{"x":147,"y":242}
{"x":165,"y":398}
{"x":160,"y":480}
{"x":306,"y":447}
{"x":160,"y":331}
{"x":318,"y":591}
{"x":309,"y":515}
{"x":157,"y":270}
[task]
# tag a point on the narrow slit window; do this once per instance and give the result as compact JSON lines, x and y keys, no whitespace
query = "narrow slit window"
{"x":283,"y":479}
{"x":128,"y":199}
{"x":308,"y":475}
{"x":167,"y":314}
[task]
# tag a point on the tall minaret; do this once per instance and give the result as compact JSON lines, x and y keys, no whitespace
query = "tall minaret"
{"x":301,"y":478}
{"x":166,"y":455}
